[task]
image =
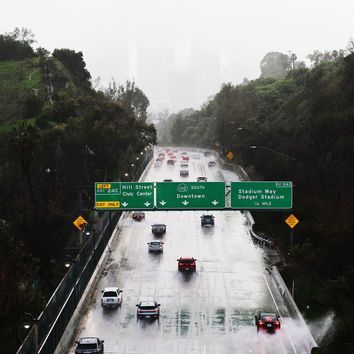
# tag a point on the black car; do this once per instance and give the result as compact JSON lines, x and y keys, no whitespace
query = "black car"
{"x":267,"y":321}
{"x":148,"y":309}
{"x":158,"y":229}
{"x":207,"y":219}
{"x":89,"y":345}
{"x":211,"y":163}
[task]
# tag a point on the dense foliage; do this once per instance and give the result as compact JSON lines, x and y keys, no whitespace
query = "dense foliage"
{"x":74,"y":137}
{"x":307,"y":119}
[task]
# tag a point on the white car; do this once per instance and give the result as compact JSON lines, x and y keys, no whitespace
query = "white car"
{"x":155,"y":246}
{"x":111,"y":297}
{"x":184,"y":165}
{"x":157,"y":163}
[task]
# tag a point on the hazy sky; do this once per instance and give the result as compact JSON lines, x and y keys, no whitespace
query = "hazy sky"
{"x":180,"y":51}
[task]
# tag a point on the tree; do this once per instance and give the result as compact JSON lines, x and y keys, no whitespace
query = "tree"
{"x":23,"y":140}
{"x":23,"y":35}
{"x":317,"y":57}
{"x":132,"y":99}
{"x":74,"y":62}
{"x":275,"y":65}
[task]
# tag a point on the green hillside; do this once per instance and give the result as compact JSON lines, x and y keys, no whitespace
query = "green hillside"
{"x":20,"y":82}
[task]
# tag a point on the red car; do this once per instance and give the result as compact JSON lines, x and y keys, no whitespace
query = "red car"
{"x":269,"y":322}
{"x":187,"y":264}
{"x":185,"y":158}
{"x":138,"y":215}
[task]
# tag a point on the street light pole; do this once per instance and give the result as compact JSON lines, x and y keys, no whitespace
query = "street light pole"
{"x":34,"y":321}
{"x":273,"y":151}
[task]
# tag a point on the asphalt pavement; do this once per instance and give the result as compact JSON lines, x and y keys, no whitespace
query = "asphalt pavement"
{"x":208,"y":312}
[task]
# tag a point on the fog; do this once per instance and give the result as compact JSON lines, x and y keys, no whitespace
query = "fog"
{"x":180,"y":52}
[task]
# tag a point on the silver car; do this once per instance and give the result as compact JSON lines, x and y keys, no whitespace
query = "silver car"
{"x":111,"y":297}
{"x":155,"y":246}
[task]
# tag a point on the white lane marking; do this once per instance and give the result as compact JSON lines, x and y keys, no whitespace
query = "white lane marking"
{"x":271,"y":294}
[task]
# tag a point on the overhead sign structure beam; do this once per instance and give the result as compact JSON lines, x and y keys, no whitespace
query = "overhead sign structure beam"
{"x":193,"y":195}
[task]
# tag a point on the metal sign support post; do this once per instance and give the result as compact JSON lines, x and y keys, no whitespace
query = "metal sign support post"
{"x":291,"y":241}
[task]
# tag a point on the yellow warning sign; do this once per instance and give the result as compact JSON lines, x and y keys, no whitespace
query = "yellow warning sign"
{"x":103,"y":185}
{"x":107,"y":205}
{"x":292,"y":221}
{"x":80,"y":223}
{"x":230,"y":155}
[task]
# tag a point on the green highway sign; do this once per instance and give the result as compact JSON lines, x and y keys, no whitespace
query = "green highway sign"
{"x":190,"y":195}
{"x":262,"y":195}
{"x":124,"y":195}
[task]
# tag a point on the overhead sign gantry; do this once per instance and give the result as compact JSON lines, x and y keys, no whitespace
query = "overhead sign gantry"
{"x":193,"y":195}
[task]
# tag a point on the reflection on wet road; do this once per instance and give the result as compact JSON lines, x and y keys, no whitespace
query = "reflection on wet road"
{"x":209,"y":311}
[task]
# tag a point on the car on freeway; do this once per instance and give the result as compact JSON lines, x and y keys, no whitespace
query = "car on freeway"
{"x":267,"y":321}
{"x":88,"y":230}
{"x":211,"y":163}
{"x":170,"y":162}
{"x":157,"y":163}
{"x":175,"y":151}
{"x":207,"y":219}
{"x":160,"y":158}
{"x":183,"y":153}
{"x":207,"y":153}
{"x":202,"y":179}
{"x":187,"y":264}
{"x":111,"y":297}
{"x":148,"y":309}
{"x":167,"y":180}
{"x":184,"y":165}
{"x":138,"y":215}
{"x":155,"y":246}
{"x":185,"y":158}
{"x":184,"y":173}
{"x":88,"y":345}
{"x":158,"y":229}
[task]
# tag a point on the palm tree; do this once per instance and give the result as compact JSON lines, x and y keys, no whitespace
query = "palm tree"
{"x":23,"y":139}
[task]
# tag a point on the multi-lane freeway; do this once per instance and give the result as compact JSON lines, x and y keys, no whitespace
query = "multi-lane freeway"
{"x":210,"y":311}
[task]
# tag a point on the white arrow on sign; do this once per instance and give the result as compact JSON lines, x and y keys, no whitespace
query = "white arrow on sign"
{"x":185,"y":202}
{"x":162,"y":202}
{"x":215,"y":202}
{"x":147,"y":204}
{"x":125,"y":204}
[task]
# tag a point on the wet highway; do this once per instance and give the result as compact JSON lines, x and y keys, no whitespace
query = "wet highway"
{"x":208,"y":312}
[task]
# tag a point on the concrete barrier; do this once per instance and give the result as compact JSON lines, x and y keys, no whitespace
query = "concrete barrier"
{"x":291,"y":304}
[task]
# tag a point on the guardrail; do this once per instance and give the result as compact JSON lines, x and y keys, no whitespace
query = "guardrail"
{"x":262,"y":240}
{"x":46,"y":334}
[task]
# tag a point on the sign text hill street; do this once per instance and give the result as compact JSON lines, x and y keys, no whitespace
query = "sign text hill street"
{"x":190,"y":195}
{"x":124,"y":195}
{"x":262,"y":195}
